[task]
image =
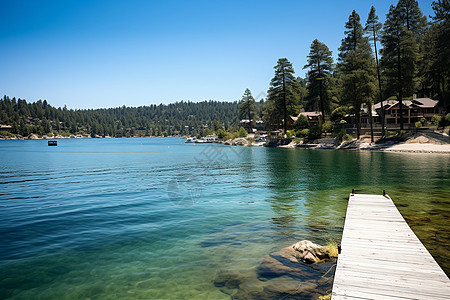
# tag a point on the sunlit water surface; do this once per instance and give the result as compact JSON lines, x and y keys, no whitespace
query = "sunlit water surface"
{"x":155,"y":218}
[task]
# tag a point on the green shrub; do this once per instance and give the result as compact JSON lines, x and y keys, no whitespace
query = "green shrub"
{"x":347,"y":137}
{"x":221,"y":133}
{"x":445,"y":121}
{"x":390,"y":133}
{"x":315,"y":132}
{"x":290,"y":133}
{"x":301,"y":122}
{"x":232,"y":135}
{"x":418,"y":124}
{"x":327,"y":126}
{"x":436,"y":119}
{"x":6,"y":133}
{"x":242,"y":132}
{"x":303,"y":132}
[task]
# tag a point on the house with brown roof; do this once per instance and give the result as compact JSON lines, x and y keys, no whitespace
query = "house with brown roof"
{"x":313,"y":116}
{"x":413,"y":110}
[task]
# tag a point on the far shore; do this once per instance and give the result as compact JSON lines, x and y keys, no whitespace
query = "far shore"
{"x":415,"y":144}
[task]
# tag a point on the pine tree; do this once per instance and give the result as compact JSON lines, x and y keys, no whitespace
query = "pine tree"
{"x":283,"y":95}
{"x":353,"y":35}
{"x":357,"y":72}
{"x":247,"y":108}
{"x":401,"y":30}
{"x":320,"y":65}
{"x":372,"y":29}
{"x":411,"y":17}
{"x":358,"y":82}
{"x":440,"y":65}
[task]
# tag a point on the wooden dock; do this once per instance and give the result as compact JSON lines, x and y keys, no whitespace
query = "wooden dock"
{"x":382,"y":258}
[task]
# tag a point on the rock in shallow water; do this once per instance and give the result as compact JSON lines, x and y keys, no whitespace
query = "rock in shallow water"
{"x":310,"y":252}
{"x":282,"y":275}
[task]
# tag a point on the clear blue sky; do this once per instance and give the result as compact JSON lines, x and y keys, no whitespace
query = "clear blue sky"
{"x":108,"y":53}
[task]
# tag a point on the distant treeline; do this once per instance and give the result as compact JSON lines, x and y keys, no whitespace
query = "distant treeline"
{"x":180,"y":118}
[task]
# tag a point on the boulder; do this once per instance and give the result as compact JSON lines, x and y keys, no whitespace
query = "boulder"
{"x":310,"y":252}
{"x":33,"y":137}
{"x":240,"y":142}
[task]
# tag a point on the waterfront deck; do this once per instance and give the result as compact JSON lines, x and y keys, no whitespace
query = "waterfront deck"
{"x":382,"y":258}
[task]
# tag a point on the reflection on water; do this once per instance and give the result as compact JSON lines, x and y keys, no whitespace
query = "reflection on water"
{"x":156,"y":218}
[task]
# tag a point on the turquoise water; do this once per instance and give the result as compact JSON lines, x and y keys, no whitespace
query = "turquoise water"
{"x":155,"y":218}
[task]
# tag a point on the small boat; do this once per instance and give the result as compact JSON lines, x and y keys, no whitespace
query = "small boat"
{"x":191,"y":140}
{"x":52,"y":143}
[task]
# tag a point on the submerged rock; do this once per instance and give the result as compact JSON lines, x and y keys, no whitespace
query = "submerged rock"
{"x":291,"y":273}
{"x":289,"y":286}
{"x":228,"y":280}
{"x":282,"y":263}
{"x":310,"y":252}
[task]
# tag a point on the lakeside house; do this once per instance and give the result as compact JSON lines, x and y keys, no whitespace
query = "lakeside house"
{"x":7,"y":128}
{"x":413,"y":111}
{"x":313,"y":116}
{"x":259,"y":124}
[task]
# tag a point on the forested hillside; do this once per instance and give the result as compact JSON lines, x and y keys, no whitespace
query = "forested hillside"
{"x":180,"y":118}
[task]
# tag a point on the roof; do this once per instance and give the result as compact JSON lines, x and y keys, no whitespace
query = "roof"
{"x":419,"y":102}
{"x":424,"y":102}
{"x":308,"y":114}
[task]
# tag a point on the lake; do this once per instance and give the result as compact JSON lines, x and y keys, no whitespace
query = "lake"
{"x":155,"y":218}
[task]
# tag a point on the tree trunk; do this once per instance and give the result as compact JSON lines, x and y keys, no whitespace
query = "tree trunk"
{"x":400,"y":84}
{"x":284,"y":103}
{"x":322,"y":110}
{"x":371,"y":124}
{"x":358,"y":124}
{"x":379,"y":85}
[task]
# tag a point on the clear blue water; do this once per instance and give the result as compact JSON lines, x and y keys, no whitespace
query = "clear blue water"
{"x":155,"y":218}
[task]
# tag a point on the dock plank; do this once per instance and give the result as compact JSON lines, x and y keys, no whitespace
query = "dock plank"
{"x":382,"y":258}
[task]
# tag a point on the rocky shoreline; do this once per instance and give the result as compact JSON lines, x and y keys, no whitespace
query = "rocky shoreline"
{"x":411,"y":144}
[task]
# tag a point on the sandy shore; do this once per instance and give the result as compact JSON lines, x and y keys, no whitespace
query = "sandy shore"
{"x":419,"y":148}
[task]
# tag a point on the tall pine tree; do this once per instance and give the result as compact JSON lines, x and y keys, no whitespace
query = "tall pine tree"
{"x":403,"y":26}
{"x":357,"y":71}
{"x":353,"y":35}
{"x":247,"y":108}
{"x":441,"y":50}
{"x":320,"y":65}
{"x":283,"y":95}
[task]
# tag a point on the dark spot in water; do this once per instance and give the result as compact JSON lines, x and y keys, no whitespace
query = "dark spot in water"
{"x":402,"y":205}
{"x":440,"y":202}
{"x":229,"y":280}
{"x":416,"y":220}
